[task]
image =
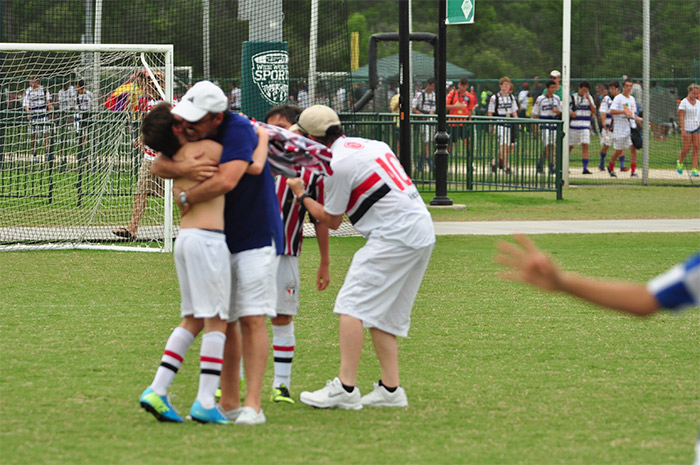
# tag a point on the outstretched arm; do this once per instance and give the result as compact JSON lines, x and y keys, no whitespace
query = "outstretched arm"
{"x":530,"y":265}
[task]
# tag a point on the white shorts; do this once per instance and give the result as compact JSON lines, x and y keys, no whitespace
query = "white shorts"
{"x":204,"y":273}
{"x":253,"y":283}
{"x":288,"y":285}
{"x":503,"y":135}
{"x":549,"y":136}
{"x":606,"y":139}
{"x":622,"y":143}
{"x":579,"y":137}
{"x":382,"y":284}
{"x":428,"y":131}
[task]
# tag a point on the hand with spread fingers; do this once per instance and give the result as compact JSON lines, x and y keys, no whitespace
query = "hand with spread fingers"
{"x":528,"y":264}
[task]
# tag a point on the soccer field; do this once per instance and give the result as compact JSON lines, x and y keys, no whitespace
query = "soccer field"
{"x":495,"y":372}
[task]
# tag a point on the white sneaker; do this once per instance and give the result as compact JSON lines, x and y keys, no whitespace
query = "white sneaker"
{"x":232,"y":414}
{"x":380,"y":397}
{"x":248,"y":416}
{"x":333,"y":396}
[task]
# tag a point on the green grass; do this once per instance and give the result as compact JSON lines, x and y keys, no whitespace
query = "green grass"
{"x":578,"y":204}
{"x":495,"y":372}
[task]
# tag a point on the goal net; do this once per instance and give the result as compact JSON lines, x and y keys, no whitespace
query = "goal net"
{"x":72,"y":171}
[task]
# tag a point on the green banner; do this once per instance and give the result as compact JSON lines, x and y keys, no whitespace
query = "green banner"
{"x":460,"y":11}
{"x":265,"y":77}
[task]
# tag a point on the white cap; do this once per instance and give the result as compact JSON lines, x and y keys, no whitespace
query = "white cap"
{"x":316,"y":120}
{"x":555,"y":73}
{"x":204,"y":97}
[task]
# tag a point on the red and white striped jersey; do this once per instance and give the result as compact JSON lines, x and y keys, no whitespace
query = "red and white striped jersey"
{"x":290,"y":150}
{"x":369,"y":185}
{"x":293,"y":212}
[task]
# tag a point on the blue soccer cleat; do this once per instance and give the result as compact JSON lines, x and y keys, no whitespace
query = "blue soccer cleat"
{"x":159,"y":406}
{"x":211,"y":415}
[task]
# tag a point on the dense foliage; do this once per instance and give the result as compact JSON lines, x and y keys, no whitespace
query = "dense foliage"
{"x":518,"y":38}
{"x":523,"y":38}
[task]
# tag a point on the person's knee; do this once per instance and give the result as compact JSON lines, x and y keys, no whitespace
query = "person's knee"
{"x":232,"y":331}
{"x":215,"y":324}
{"x":281,"y":320}
{"x":252,"y":323}
{"x":192,"y":324}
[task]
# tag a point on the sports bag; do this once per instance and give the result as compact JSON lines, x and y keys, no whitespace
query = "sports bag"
{"x":636,"y":136}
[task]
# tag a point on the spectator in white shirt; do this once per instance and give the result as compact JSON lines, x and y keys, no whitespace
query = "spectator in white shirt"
{"x":689,"y":113}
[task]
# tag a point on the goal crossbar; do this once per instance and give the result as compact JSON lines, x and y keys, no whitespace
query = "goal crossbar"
{"x":27,"y":47}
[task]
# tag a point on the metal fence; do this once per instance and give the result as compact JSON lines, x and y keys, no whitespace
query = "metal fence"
{"x":69,"y":160}
{"x":486,"y":154}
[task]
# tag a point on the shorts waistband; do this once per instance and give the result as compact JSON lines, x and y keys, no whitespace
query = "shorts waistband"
{"x":220,"y":231}
{"x":201,"y":231}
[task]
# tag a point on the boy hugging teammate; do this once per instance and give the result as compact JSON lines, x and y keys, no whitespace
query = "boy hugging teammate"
{"x":202,"y":261}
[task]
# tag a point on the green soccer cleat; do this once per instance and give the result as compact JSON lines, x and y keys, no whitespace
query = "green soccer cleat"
{"x":679,"y":167}
{"x":159,"y":406}
{"x":695,"y":173}
{"x":281,"y":394}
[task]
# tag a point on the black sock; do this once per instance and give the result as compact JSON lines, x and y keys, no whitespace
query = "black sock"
{"x":390,"y":389}
{"x":348,"y":388}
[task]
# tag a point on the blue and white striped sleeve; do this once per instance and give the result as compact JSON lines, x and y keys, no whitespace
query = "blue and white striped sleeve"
{"x":679,"y":287}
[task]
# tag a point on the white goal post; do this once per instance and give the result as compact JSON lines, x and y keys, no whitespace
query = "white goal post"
{"x":72,"y":169}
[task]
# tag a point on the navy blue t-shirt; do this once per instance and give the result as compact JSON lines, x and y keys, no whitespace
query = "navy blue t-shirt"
{"x":252,"y":214}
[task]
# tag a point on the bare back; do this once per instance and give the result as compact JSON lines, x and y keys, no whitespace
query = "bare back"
{"x":203,"y":215}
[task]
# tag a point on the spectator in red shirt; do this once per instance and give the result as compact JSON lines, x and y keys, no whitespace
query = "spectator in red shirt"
{"x":459,"y":102}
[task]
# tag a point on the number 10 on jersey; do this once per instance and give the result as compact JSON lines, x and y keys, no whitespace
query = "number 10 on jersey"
{"x":394,"y":169}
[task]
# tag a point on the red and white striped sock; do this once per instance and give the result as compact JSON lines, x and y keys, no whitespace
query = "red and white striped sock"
{"x":211,"y":359}
{"x":283,"y":341}
{"x":176,"y":348}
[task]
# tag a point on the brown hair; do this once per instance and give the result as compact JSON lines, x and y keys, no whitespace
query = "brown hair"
{"x":288,"y":111}
{"x":332,"y":134}
{"x":157,"y":130}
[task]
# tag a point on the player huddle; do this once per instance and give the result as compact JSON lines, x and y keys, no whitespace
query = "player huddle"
{"x":237,"y":251}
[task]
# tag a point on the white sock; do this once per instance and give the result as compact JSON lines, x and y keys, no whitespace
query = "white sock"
{"x":283,"y":351}
{"x":175,"y":350}
{"x":211,"y":358}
